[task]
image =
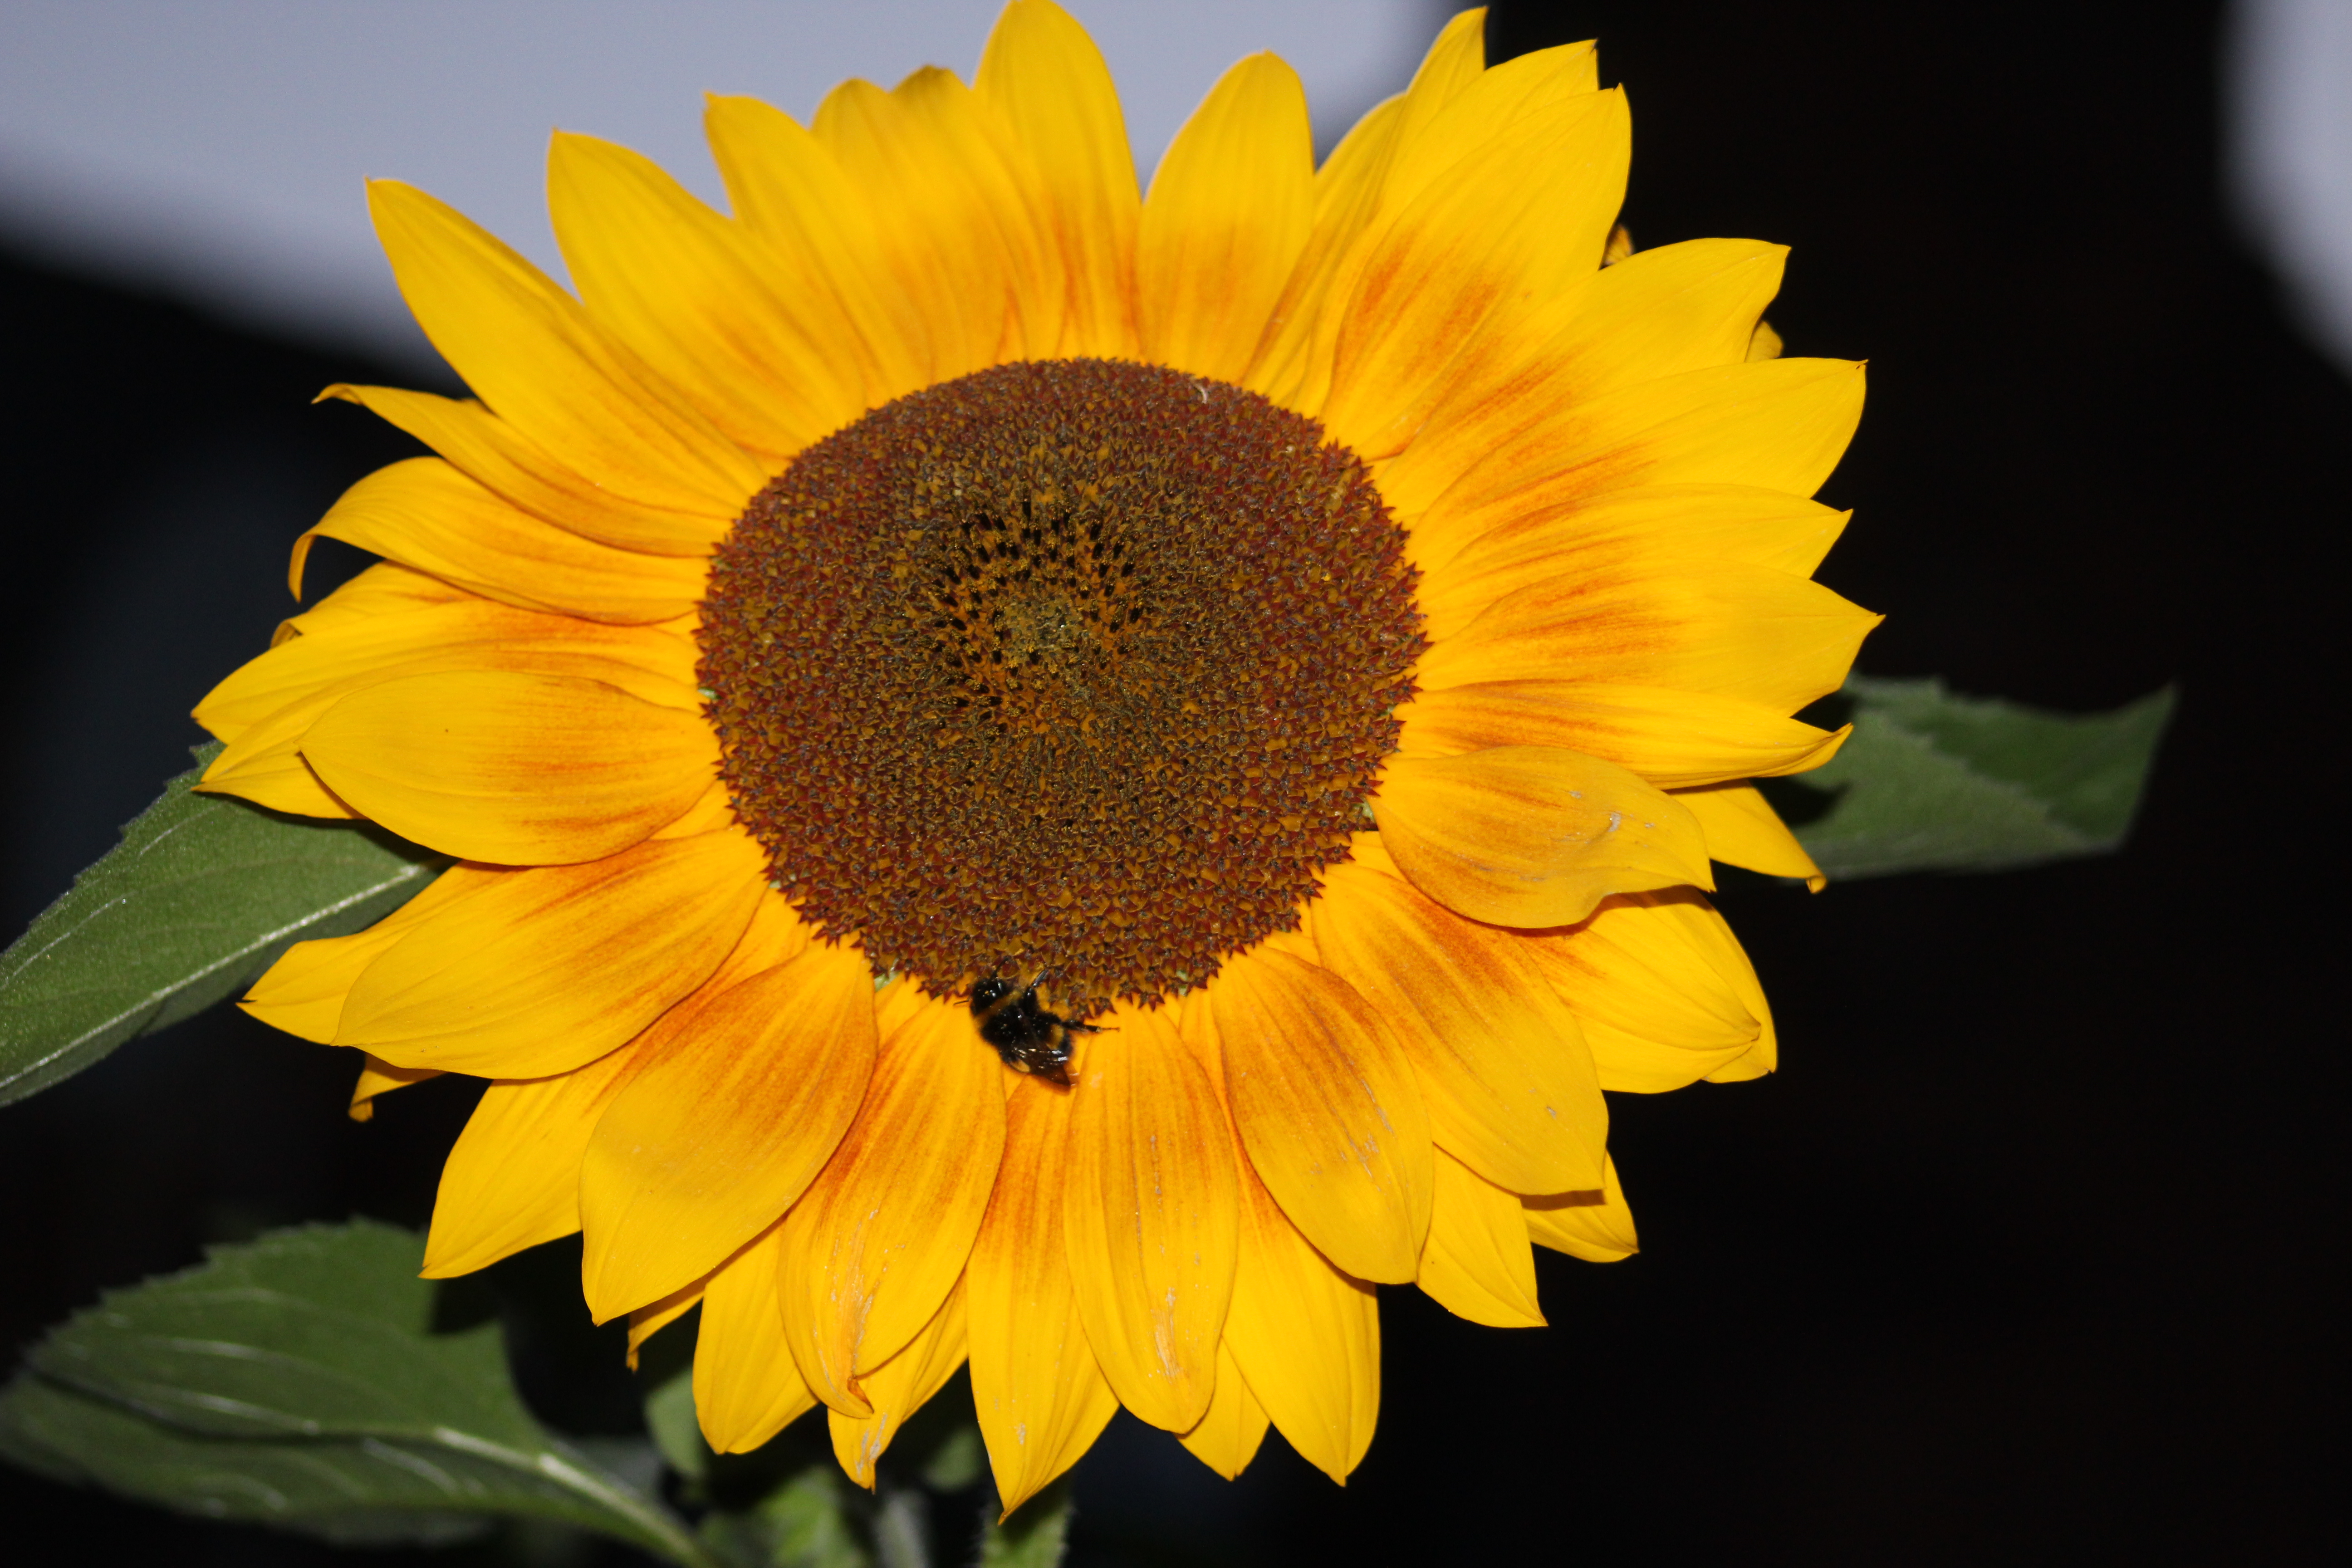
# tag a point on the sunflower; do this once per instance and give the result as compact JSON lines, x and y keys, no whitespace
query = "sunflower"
{"x":1057,"y":779}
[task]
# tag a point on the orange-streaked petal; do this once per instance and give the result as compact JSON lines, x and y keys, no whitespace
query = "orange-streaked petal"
{"x":1472,"y":557}
{"x":1510,"y":225}
{"x":1742,"y":829}
{"x":745,"y":1094}
{"x":682,"y":287}
{"x":1665,"y":993}
{"x":425,"y":514}
{"x":1228,"y":214}
{"x":303,"y":992}
{"x":1663,"y":312}
{"x":513,"y":1179}
{"x":1499,"y":1059}
{"x":822,"y":243}
{"x":746,"y":1388}
{"x":1672,"y":739}
{"x":484,"y":447}
{"x":546,"y":969}
{"x":1348,"y":191}
{"x":1228,"y":1436}
{"x":1328,"y":1110}
{"x":516,"y":769}
{"x":897,"y":1388}
{"x":881,"y":1237}
{"x":951,"y":215}
{"x":1533,"y":836}
{"x":1477,"y":1265}
{"x":1723,"y":627}
{"x":528,"y":349}
{"x":1041,"y":1398}
{"x":1149,"y":1216}
{"x":1595,"y":1227}
{"x":1779,"y":425}
{"x":275,"y":696}
{"x":1306,"y":1336}
{"x":1043,"y":78}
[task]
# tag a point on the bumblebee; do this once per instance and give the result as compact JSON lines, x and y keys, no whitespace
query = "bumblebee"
{"x":1028,"y":1037}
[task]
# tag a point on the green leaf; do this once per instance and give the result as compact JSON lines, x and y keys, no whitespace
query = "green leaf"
{"x":202,"y":895}
{"x":1931,"y":782}
{"x":296,"y":1381}
{"x":1037,"y":1536}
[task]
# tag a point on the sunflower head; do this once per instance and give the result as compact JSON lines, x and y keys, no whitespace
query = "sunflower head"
{"x":1056,"y":779}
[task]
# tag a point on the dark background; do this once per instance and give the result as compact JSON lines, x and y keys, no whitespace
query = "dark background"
{"x":2028,"y":1253}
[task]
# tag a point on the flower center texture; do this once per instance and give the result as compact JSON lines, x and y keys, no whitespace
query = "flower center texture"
{"x":1073,"y":668}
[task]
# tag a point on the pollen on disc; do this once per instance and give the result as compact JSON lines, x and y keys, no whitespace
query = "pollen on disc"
{"x":1072,"y":667}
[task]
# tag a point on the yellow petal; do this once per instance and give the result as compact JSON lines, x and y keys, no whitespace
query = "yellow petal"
{"x":1499,"y":1059}
{"x":1764,"y":344}
{"x":1724,"y":628}
{"x":1470,"y":558}
{"x":1306,"y":1336}
{"x":488,"y":449}
{"x":1663,"y":312}
{"x":1511,"y":225}
{"x":881,"y":1238}
{"x":1327,"y":1108}
{"x":546,"y":969}
{"x":1228,"y":1435}
{"x":1228,"y":214}
{"x":425,"y":514}
{"x":1041,"y":1398}
{"x":529,"y":352}
{"x":303,"y":992}
{"x":1149,"y":1216}
{"x":516,"y":769}
{"x":897,"y":1388}
{"x":1742,"y":829}
{"x":746,"y":1388}
{"x":1779,"y":425}
{"x":1533,"y":836}
{"x":746,"y":1093}
{"x":1477,"y":1265}
{"x":1673,"y":739}
{"x":1457,"y":125}
{"x":950,"y":210}
{"x":1666,"y":995}
{"x":1347,"y":196}
{"x":1044,"y":79}
{"x":330,"y":653}
{"x":683,"y":289}
{"x":821,"y":244}
{"x":381,"y":1077}
{"x":1595,"y":1227}
{"x":513,"y":1179}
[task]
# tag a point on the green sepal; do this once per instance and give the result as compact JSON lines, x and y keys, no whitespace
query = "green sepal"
{"x":1932,"y":782}
{"x":202,"y":895}
{"x":299,"y":1381}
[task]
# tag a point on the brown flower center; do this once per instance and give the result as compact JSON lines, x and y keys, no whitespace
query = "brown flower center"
{"x":1071,"y":667}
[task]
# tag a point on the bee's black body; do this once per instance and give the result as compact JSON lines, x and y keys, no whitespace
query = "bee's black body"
{"x":1029,"y":1038}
